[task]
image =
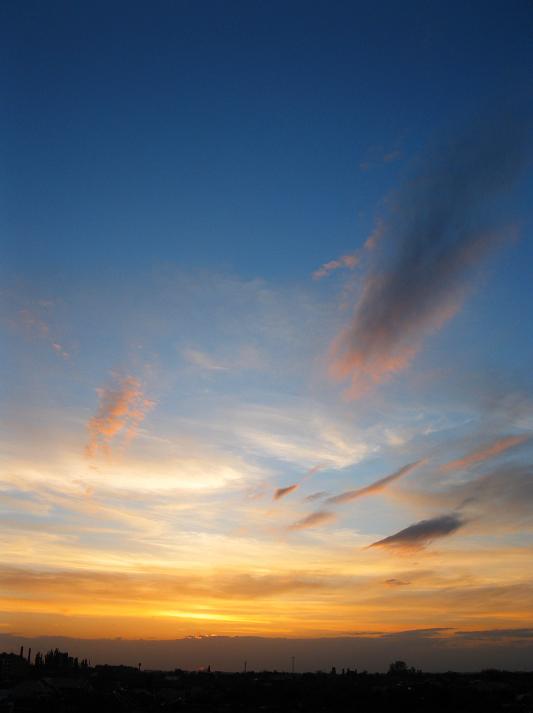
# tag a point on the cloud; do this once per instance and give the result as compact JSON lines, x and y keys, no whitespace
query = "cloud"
{"x":491,"y":450}
{"x":120,"y":411}
{"x":375,"y":236}
{"x":37,"y":326}
{"x":396,"y":582}
{"x":316,"y":518}
{"x":349,"y":261}
{"x":375,"y":487}
{"x":496,"y":634}
{"x":297,"y":432}
{"x":422,"y":533}
{"x":316,"y":496}
{"x":378,"y":156}
{"x":437,"y":649}
{"x":202,"y":360}
{"x":352,"y":260}
{"x":75,"y":585}
{"x":435,"y":240}
{"x":505,"y":496}
{"x":282,"y":492}
{"x":392,"y":156}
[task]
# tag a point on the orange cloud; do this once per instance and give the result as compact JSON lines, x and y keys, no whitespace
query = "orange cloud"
{"x":120,"y":411}
{"x":375,"y":487}
{"x":489,"y":451}
{"x":316,"y":518}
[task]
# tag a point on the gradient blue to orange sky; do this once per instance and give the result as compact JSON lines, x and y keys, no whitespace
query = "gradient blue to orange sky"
{"x":266,"y":321}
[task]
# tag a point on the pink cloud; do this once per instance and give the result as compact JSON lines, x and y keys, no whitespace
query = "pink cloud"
{"x":349,"y":261}
{"x":489,"y":451}
{"x":120,"y":411}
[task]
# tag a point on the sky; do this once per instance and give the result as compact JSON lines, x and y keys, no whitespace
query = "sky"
{"x":265,"y":330}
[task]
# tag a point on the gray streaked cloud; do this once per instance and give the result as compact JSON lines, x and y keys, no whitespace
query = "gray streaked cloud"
{"x":316,"y":496}
{"x":436,"y":235}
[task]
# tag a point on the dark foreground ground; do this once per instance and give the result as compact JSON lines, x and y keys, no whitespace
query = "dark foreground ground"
{"x":121,"y":688}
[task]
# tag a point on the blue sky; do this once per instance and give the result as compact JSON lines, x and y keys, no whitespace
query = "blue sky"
{"x":230,"y":131}
{"x":250,"y":246}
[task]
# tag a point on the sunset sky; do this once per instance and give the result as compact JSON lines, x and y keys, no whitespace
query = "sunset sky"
{"x":266,"y":323}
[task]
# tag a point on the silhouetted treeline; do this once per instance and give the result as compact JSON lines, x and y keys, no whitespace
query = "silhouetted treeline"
{"x":58,"y":683}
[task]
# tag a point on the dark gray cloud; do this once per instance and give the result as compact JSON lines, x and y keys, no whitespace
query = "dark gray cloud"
{"x":496,"y":634}
{"x":442,"y":224}
{"x":435,"y":631}
{"x":423,"y":533}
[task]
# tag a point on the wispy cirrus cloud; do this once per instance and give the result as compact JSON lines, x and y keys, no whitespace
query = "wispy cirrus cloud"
{"x":436,"y":240}
{"x":203,"y":360}
{"x":350,"y":261}
{"x":487,"y":452}
{"x":282,"y":492}
{"x":316,"y":496}
{"x":375,"y":487}
{"x":316,"y":518}
{"x":34,"y":324}
{"x":422,"y":533}
{"x":121,"y":409}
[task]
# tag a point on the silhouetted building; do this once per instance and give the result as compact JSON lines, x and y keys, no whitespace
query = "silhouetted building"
{"x":12,"y":667}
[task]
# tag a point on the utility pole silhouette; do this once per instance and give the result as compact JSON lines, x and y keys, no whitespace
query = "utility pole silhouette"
{"x":245,"y":664}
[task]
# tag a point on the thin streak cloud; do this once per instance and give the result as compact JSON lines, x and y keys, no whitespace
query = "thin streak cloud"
{"x":316,"y":518}
{"x":349,"y":261}
{"x":491,"y":450}
{"x":282,"y":492}
{"x":375,"y":487}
